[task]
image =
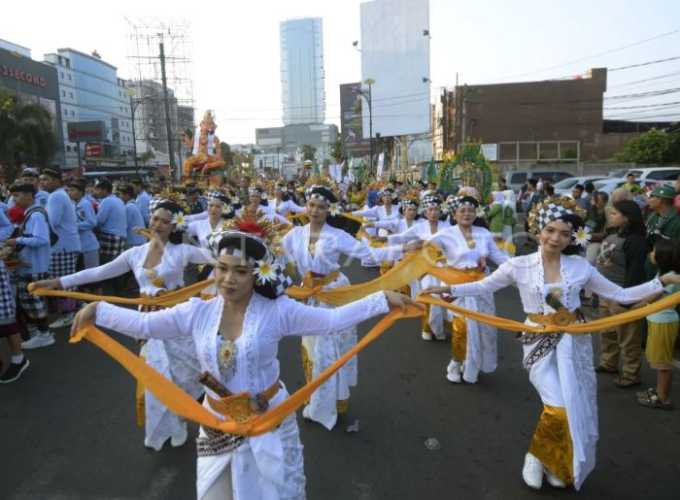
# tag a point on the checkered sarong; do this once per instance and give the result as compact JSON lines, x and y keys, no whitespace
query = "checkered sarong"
{"x":110,"y":246}
{"x":8,"y":308}
{"x":34,"y":306}
{"x":63,"y":263}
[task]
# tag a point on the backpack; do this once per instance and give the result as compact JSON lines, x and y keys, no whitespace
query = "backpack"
{"x":54,"y":237}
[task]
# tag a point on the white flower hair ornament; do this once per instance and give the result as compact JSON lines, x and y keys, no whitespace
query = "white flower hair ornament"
{"x":179,"y":221}
{"x":333,"y":209}
{"x":266,"y":271}
{"x":582,"y":236}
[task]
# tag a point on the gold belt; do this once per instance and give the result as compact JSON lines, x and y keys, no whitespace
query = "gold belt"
{"x":314,"y":280}
{"x":561,"y":317}
{"x":240,"y":407}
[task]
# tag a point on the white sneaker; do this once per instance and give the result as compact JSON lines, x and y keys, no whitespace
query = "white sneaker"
{"x":426,"y":335}
{"x":177,"y":440}
{"x":532,"y":472}
{"x":453,"y":372}
{"x":65,"y":320}
{"x":553,"y":480}
{"x":148,"y":444}
{"x":40,"y":339}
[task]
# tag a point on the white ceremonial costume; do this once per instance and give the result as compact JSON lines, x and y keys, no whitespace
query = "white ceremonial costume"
{"x":269,"y":466}
{"x":283,"y":208}
{"x":322,"y":260}
{"x":561,"y":365}
{"x":267,"y":212}
{"x":201,"y":229}
{"x":421,"y":231}
{"x":173,"y":359}
{"x":378,"y":214}
{"x":481,"y":346}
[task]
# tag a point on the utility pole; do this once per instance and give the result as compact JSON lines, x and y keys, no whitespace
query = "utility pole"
{"x":369,"y":100}
{"x":166,"y":105}
{"x":464,"y":115}
{"x":133,"y":107}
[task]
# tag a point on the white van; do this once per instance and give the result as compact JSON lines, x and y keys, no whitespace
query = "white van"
{"x":655,"y":174}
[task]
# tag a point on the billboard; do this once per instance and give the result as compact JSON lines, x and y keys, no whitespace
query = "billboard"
{"x":351,"y":104}
{"x":395,"y":55}
{"x":92,"y":131}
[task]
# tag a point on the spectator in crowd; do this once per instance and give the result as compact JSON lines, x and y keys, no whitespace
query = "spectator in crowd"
{"x":664,"y":219}
{"x":502,"y":184}
{"x":196,"y":203}
{"x":577,"y":194}
{"x":590,"y":190}
{"x":531,"y":196}
{"x":111,"y":222}
{"x":87,"y":221}
{"x":133,"y":216}
{"x":620,"y":194}
{"x":662,"y":331}
{"x":9,"y":329}
{"x":631,"y":183}
{"x":548,"y":190}
{"x":61,"y":214}
{"x":676,"y":200}
{"x":621,"y":260}
{"x":596,"y":221}
{"x":31,"y":176}
{"x":33,"y":247}
{"x":142,"y":198}
{"x":243,"y":193}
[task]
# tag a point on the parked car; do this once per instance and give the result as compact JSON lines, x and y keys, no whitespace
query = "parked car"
{"x":655,"y":174}
{"x":516,"y":179}
{"x":609,"y":184}
{"x":564,"y":187}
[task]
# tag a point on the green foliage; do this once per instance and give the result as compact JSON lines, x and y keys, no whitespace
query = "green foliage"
{"x":337,"y":151}
{"x":470,"y":166}
{"x":227,"y":154}
{"x":147,"y":156}
{"x":652,"y":147}
{"x":308,"y":152}
{"x":26,"y":135}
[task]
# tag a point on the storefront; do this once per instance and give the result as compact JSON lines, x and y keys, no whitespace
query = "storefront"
{"x":33,"y":82}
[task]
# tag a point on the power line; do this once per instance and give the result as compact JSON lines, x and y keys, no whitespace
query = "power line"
{"x":606,"y":52}
{"x":648,"y":63}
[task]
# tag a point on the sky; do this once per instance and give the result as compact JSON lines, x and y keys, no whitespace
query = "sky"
{"x":235,"y":47}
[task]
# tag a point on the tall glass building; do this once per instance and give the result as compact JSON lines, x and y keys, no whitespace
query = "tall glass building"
{"x":302,"y":73}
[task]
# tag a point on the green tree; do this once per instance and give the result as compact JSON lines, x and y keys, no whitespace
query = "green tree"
{"x":654,"y":146}
{"x":338,"y":150}
{"x":26,"y":134}
{"x":227,"y":154}
{"x":308,"y":152}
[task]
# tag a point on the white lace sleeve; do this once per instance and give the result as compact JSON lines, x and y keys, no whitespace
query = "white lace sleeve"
{"x":163,"y":324}
{"x":500,"y":278}
{"x":117,"y":267}
{"x":300,"y":319}
{"x":605,"y":288}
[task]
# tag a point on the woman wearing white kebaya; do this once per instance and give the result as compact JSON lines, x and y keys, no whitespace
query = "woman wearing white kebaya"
{"x":433,"y":322}
{"x":468,"y":247}
{"x":219,"y":209}
{"x":560,"y":365}
{"x":282,"y":202}
{"x":316,"y":250}
{"x":236,"y":336}
{"x":158,"y":267}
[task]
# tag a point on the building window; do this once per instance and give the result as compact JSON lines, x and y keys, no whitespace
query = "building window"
{"x":70,"y":94}
{"x":61,"y":75}
{"x":63,"y":93}
{"x":69,"y":75}
{"x":68,"y":149}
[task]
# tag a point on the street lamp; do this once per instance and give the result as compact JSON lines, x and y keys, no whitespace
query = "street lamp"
{"x":369,"y":99}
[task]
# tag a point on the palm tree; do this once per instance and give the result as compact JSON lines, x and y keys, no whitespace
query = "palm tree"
{"x":26,"y":134}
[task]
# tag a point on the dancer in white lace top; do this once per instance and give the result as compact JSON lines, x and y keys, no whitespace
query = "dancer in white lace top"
{"x":236,"y":335}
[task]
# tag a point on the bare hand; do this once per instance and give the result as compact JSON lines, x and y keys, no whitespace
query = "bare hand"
{"x":413,"y":246}
{"x":54,"y":284}
{"x":482,"y":263}
{"x":436,"y":290}
{"x":670,"y":278}
{"x":87,"y":315}
{"x":11,"y":242}
{"x":399,"y":300}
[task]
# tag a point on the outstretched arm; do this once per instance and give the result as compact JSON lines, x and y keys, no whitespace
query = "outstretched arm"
{"x":164,"y":324}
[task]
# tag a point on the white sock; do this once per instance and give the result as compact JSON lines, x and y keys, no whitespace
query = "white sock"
{"x":17,"y":359}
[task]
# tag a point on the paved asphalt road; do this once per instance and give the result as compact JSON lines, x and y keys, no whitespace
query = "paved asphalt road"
{"x":67,"y":430}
